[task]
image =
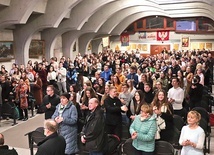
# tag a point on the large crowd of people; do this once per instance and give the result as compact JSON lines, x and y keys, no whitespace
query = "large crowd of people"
{"x":127,"y":85}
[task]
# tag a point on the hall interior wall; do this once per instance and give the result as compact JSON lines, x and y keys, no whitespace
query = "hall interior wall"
{"x":195,"y":40}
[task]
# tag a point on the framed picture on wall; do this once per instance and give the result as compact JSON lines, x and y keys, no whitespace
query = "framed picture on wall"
{"x":6,"y":50}
{"x":185,"y":42}
{"x":37,"y":48}
{"x":209,"y":46}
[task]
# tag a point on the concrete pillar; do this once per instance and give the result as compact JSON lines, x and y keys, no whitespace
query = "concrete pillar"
{"x":95,"y":45}
{"x":84,"y":41}
{"x":55,"y":11}
{"x":68,"y":40}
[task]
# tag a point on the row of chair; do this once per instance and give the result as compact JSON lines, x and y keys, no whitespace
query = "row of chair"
{"x":204,"y":124}
{"x":10,"y":110}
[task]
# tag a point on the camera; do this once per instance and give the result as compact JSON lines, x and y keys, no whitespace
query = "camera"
{"x":195,"y":80}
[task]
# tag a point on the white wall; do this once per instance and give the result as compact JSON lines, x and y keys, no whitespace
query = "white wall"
{"x":7,"y":35}
{"x":174,"y":38}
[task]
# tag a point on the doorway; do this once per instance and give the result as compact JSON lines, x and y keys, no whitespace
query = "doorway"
{"x":156,"y":49}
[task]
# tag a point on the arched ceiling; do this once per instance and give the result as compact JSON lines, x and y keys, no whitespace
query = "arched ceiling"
{"x":93,"y":16}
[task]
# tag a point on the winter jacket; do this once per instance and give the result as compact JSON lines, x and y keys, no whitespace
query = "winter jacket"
{"x":146,"y":130}
{"x":52,"y":145}
{"x":68,"y":127}
{"x":113,"y":110}
{"x":94,"y":130}
{"x":54,"y":100}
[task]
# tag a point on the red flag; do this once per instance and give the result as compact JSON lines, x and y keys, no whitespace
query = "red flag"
{"x":124,"y":38}
{"x":162,"y":35}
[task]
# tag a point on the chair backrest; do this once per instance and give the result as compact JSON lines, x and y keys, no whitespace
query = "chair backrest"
{"x":38,"y":135}
{"x":204,"y":113}
{"x":178,"y":122}
{"x":113,"y":142}
{"x":7,"y":109}
{"x":163,"y":148}
{"x":127,"y":147}
{"x":203,"y":124}
{"x":125,"y":132}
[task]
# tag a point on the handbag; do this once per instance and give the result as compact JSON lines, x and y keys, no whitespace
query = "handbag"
{"x":160,"y":126}
{"x":161,"y":123}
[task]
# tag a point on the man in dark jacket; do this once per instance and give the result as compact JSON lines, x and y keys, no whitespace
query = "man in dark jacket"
{"x":4,"y":149}
{"x":50,"y":101}
{"x":93,"y":132}
{"x":53,"y":144}
{"x":114,"y":108}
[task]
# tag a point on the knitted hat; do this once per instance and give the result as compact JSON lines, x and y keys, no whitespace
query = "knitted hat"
{"x":67,"y":95}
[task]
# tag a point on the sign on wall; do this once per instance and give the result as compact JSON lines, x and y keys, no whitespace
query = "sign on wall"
{"x":162,"y":35}
{"x":124,"y":38}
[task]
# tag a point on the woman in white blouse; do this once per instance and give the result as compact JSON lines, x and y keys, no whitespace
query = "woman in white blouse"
{"x":192,"y":135}
{"x":51,"y":77}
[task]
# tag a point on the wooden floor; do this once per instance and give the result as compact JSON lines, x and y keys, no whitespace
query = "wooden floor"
{"x":15,"y":135}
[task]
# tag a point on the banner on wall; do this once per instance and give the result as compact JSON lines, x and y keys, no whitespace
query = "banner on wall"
{"x":151,"y":35}
{"x":124,"y":38}
{"x":141,"y":35}
{"x":105,"y":41}
{"x":162,"y":35}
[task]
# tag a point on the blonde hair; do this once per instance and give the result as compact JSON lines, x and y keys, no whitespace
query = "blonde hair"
{"x":147,"y":109}
{"x":195,"y":114}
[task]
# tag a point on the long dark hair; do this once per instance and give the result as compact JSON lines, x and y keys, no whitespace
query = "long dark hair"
{"x":92,"y":92}
{"x":158,"y":103}
{"x":74,"y":98}
{"x":142,"y":101}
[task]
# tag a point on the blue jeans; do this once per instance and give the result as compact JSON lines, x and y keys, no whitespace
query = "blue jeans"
{"x":95,"y":153}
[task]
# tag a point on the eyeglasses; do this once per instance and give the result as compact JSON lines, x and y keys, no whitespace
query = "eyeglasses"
{"x":48,"y":90}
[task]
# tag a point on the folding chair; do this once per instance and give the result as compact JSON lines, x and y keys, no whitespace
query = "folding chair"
{"x":8,"y":110}
{"x":127,"y":148}
{"x":205,"y":124}
{"x":178,"y":122}
{"x":163,"y":148}
{"x":34,"y":137}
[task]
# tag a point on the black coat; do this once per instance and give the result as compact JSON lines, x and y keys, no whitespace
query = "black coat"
{"x":5,"y":91}
{"x":195,"y":94}
{"x":4,"y":150}
{"x":113,"y":111}
{"x":54,"y":100}
{"x":149,"y":96}
{"x":94,"y":130}
{"x":54,"y":144}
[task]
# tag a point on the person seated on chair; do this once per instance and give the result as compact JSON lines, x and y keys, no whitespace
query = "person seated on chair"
{"x":4,"y":149}
{"x":53,"y":144}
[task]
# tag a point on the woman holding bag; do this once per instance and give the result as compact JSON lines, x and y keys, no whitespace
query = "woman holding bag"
{"x":164,"y":111}
{"x":22,"y":96}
